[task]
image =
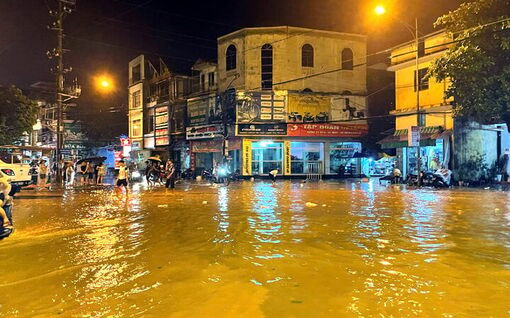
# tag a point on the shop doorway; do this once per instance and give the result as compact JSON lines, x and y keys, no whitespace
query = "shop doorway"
{"x":267,"y":156}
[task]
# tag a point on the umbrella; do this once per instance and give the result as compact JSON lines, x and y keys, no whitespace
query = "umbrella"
{"x":91,"y":159}
{"x":154,"y":159}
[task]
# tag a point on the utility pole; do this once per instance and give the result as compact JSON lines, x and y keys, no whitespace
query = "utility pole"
{"x":64,"y":7}
{"x":418,"y":82}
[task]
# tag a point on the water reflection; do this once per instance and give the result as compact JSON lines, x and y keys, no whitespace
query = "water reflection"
{"x":257,"y":250}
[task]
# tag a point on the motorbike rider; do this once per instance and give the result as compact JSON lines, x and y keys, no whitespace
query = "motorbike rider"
{"x":444,"y":174}
{"x":5,"y":200}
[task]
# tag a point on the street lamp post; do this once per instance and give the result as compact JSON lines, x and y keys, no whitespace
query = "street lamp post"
{"x":380,"y":10}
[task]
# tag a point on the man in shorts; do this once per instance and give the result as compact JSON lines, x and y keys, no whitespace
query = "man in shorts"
{"x":122,"y":177}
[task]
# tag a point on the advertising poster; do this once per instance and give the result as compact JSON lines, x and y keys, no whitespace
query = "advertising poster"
{"x":260,"y":106}
{"x":308,"y":108}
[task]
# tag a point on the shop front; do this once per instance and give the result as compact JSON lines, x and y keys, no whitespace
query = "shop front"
{"x":325,"y":149}
{"x":435,"y":148}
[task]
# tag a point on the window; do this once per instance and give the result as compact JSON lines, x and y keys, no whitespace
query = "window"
{"x":231,"y":58}
{"x":136,"y":102}
{"x":347,"y":59}
{"x":266,"y":62}
{"x":211,"y":79}
{"x":202,"y":82}
{"x":136,"y":128}
{"x":307,"y":56}
{"x":423,"y":79}
{"x":341,"y":158}
{"x":421,"y":48}
{"x":136,"y":74}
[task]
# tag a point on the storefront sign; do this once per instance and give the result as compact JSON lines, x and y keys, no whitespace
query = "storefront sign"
{"x":260,"y":106}
{"x":234,"y":144}
{"x":287,"y":158}
{"x":161,"y":135}
{"x":125,"y":142}
{"x":413,"y":136}
{"x":207,"y":146}
{"x":262,"y":129}
{"x":246,"y":158}
{"x":204,"y":132}
{"x":161,"y":116}
{"x":327,"y":130}
{"x":204,"y":110}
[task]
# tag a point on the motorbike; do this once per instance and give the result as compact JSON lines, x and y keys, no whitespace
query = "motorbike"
{"x":441,"y":178}
{"x":5,"y":232}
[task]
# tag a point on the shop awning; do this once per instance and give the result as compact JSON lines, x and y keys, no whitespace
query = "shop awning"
{"x":428,"y":137}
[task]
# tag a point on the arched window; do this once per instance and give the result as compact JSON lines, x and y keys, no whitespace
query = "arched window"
{"x":231,"y":58}
{"x":307,"y":56}
{"x":266,"y":62}
{"x":347,"y":59}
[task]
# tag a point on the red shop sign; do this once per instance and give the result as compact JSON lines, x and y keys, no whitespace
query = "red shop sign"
{"x":327,"y":130}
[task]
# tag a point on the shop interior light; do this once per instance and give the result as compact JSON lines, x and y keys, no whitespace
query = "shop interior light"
{"x":265,"y":143}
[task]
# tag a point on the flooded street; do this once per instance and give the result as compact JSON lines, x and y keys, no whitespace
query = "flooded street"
{"x":258,"y":250}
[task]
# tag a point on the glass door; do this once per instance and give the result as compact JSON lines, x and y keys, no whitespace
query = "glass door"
{"x":267,"y":156}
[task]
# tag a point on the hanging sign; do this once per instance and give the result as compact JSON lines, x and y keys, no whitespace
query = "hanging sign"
{"x":413,"y":136}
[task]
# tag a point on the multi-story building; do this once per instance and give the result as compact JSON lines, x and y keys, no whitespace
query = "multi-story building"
{"x":442,"y":137}
{"x":157,"y":110}
{"x":291,"y":99}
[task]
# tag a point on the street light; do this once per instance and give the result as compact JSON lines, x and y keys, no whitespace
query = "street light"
{"x":380,"y":10}
{"x":104,"y":83}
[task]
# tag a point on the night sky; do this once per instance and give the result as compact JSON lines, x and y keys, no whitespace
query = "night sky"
{"x":103,"y":35}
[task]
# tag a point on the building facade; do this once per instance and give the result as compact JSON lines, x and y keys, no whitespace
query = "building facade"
{"x":294,"y":100}
{"x":421,"y":101}
{"x":157,"y":111}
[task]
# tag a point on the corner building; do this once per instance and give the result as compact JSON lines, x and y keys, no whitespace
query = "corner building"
{"x":295,"y":99}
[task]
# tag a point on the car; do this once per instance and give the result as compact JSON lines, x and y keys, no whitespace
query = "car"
{"x":16,"y":171}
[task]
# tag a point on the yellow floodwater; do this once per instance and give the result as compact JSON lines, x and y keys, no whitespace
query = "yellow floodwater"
{"x":258,"y":250}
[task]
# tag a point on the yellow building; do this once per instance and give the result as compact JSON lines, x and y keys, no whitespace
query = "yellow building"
{"x":435,"y":111}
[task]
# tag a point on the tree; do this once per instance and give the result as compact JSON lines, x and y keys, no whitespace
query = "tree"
{"x":18,"y":114}
{"x":478,"y":62}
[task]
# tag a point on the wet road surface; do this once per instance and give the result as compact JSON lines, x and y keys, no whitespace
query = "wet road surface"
{"x":258,"y":250}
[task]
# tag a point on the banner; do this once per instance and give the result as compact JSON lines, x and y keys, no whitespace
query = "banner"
{"x":246,"y":158}
{"x":204,"y":132}
{"x":286,"y":158}
{"x":260,"y":106}
{"x":262,"y":129}
{"x":207,"y":146}
{"x":308,"y":108}
{"x":413,"y":137}
{"x":327,"y":130}
{"x":204,"y":110}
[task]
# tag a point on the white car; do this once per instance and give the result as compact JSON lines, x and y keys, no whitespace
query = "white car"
{"x":17,"y":172}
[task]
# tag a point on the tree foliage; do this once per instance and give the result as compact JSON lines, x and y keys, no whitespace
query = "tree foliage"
{"x":478,"y":63}
{"x":18,"y":114}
